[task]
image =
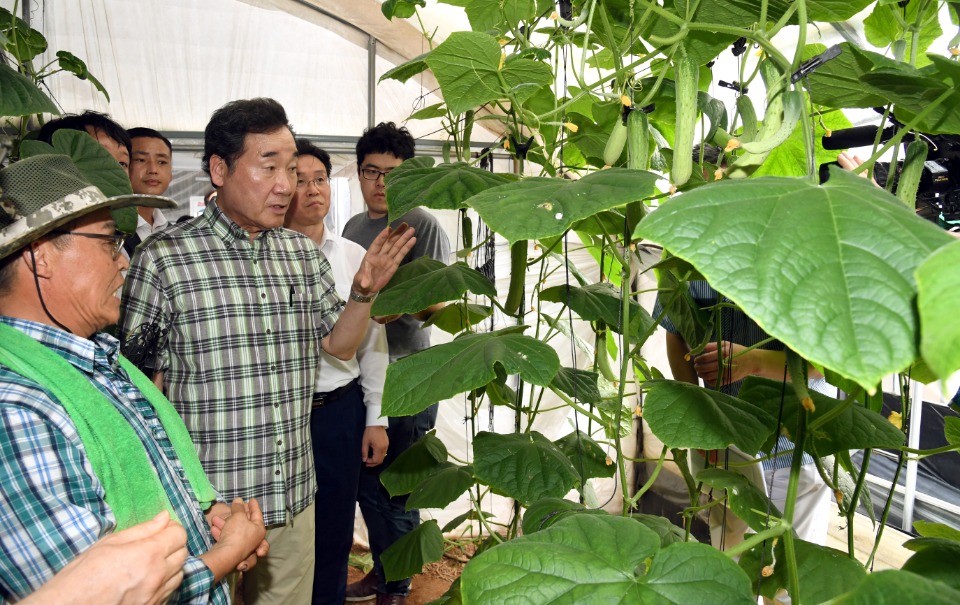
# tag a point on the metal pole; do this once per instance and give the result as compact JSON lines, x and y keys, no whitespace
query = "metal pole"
{"x":372,"y":82}
{"x":913,"y":441}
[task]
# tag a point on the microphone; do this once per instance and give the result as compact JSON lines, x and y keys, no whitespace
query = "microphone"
{"x":859,"y":136}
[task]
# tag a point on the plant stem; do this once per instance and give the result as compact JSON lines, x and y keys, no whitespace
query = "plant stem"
{"x":854,"y":499}
{"x":780,"y":528}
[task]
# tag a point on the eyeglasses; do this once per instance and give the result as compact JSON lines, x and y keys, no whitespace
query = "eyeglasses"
{"x":372,"y":174}
{"x":116,"y":238}
{"x":318,"y":182}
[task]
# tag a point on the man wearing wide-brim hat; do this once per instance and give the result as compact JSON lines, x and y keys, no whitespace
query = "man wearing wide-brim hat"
{"x":87,"y":443}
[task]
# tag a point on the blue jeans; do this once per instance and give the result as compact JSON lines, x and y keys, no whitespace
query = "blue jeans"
{"x":336,"y":430}
{"x":387,"y":518}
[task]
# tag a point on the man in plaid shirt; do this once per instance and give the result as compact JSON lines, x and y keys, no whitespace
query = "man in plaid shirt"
{"x":231,"y":311}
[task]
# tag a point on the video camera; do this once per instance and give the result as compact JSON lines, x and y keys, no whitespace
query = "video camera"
{"x":938,"y":197}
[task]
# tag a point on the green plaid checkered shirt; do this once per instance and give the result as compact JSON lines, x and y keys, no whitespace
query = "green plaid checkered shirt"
{"x":51,"y":502}
{"x":235,"y":326}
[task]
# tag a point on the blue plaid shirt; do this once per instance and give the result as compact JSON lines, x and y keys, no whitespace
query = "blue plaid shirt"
{"x":51,"y":503}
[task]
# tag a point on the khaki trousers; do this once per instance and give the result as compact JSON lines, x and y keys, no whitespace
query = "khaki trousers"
{"x":285,"y":576}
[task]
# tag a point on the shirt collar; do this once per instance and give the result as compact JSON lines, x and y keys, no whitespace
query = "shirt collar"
{"x":82,"y":353}
{"x":227,"y":230}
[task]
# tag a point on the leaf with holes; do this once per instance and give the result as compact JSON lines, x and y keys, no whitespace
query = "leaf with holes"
{"x":417,"y":381}
{"x":539,"y":207}
{"x":827,"y":270}
{"x":417,"y":182}
{"x":523,"y":466}
{"x":426,"y":281}
{"x":603,"y":559}
{"x":688,"y":416}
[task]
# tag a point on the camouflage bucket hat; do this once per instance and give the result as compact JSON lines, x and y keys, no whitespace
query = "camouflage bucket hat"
{"x":44,"y":192}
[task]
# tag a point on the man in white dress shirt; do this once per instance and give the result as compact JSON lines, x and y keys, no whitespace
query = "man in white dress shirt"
{"x":345,"y":424}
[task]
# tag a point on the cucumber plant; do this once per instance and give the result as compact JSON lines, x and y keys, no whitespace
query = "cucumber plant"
{"x":596,"y":153}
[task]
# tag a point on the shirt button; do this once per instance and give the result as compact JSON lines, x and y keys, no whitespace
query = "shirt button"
{"x":263,"y":295}
{"x":277,"y":473}
{"x":273,"y":369}
{"x":279,"y":441}
{"x":276,"y":405}
{"x":268,"y":331}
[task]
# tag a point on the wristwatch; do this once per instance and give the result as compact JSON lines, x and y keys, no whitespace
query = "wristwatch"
{"x":361,"y":298}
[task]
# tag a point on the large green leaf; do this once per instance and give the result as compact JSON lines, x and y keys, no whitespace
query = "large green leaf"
{"x":913,"y":91}
{"x":415,"y":464}
{"x":587,"y":456}
{"x":853,"y":429}
{"x":548,"y":511}
{"x":603,"y":559}
{"x":19,"y":96}
{"x":836,"y":83}
{"x":95,"y":163}
{"x":827,"y":270}
{"x":824,"y":573}
{"x":442,"y":487}
{"x":881,"y":28}
{"x":601,"y":302}
{"x":745,"y":499}
{"x":522,"y":466}
{"x":405,"y":71}
{"x":407,"y":556}
{"x":936,"y":530}
{"x":951,"y":430}
{"x":20,"y":40}
{"x":578,"y":384}
{"x":418,"y":381}
{"x":688,"y":416}
{"x":456,"y":317}
{"x":417,"y":182}
{"x":895,"y":587}
{"x":540,"y":207}
{"x":502,"y":15}
{"x":790,"y":159}
{"x":937,"y":562}
{"x":426,"y":281}
{"x":938,"y":298}
{"x":467,"y":67}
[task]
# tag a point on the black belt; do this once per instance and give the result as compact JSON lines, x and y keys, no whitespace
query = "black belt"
{"x":322,"y":399}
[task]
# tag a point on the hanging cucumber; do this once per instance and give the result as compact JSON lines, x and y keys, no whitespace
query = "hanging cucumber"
{"x":518,"y":275}
{"x":686,"y":76}
{"x":603,"y":358}
{"x":776,"y":84}
{"x":638,"y":135}
{"x":748,"y":116}
{"x":768,"y":139}
{"x":909,"y":180}
{"x":466,"y":227}
{"x":615,"y":143}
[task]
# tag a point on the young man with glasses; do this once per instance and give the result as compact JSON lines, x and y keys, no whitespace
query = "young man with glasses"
{"x":381,"y":149}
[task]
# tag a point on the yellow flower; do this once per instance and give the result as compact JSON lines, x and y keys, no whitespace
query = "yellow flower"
{"x":627,"y":102}
{"x":807,"y":404}
{"x":731,"y":145}
{"x":608,"y":461}
{"x":896,"y":420}
{"x":571,"y":126}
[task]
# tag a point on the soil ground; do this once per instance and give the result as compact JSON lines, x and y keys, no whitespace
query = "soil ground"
{"x":427,"y":586}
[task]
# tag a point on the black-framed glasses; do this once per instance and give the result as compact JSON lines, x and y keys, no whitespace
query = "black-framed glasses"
{"x":116,"y":238}
{"x":372,"y":174}
{"x":317,"y":182}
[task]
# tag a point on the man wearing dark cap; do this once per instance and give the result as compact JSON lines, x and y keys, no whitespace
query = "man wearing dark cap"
{"x":87,"y":444}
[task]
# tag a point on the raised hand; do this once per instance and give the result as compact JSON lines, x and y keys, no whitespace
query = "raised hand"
{"x":382,"y":259}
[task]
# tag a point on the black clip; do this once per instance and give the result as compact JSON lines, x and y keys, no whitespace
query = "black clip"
{"x":811,"y":65}
{"x":739,"y":47}
{"x":737,"y":86}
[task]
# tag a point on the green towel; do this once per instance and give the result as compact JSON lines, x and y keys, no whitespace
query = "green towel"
{"x":130,"y":483}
